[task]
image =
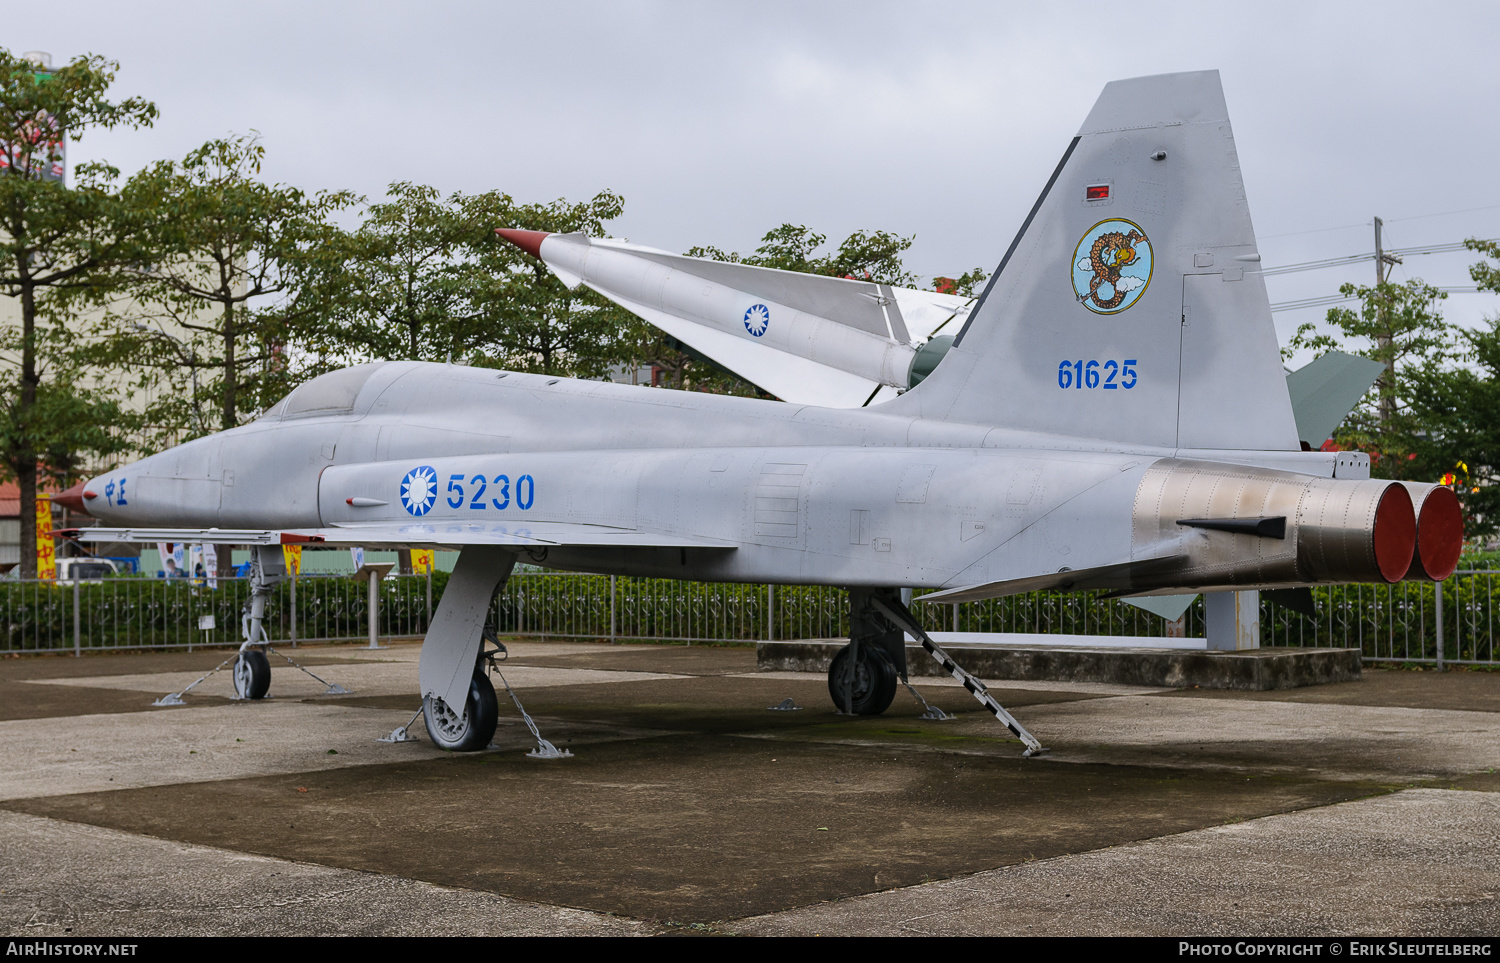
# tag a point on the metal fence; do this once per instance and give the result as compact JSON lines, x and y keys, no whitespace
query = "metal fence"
{"x":1396,"y":623}
{"x":130,"y":613}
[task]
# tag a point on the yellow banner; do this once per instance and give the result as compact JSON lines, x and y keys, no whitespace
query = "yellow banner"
{"x":421,"y":560}
{"x":46,"y":549}
{"x":293,"y":556}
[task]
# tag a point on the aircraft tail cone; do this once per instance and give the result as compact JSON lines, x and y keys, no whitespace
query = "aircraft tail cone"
{"x":72,"y":499}
{"x":528,"y":241}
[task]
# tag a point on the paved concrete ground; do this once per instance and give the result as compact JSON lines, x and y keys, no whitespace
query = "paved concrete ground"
{"x":1370,"y":807}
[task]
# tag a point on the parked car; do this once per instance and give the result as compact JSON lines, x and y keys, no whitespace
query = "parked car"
{"x":70,"y":570}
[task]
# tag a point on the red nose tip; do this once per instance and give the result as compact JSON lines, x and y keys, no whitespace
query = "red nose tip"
{"x":528,"y":241}
{"x":72,"y":499}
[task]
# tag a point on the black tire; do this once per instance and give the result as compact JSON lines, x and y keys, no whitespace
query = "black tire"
{"x":875,"y":680}
{"x":252,"y":675}
{"x":470,"y":731}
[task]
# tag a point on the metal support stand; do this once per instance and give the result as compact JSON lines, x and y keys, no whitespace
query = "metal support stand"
{"x":1437,"y":594}
{"x":400,"y":733}
{"x":929,"y":712}
{"x":333,"y":687}
{"x":175,"y":698}
{"x":898,"y":614}
{"x":371,"y":573}
{"x":544,"y":749}
{"x":1233,"y":620}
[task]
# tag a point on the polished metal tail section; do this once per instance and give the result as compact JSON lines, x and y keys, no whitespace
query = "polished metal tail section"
{"x":1130,"y":307}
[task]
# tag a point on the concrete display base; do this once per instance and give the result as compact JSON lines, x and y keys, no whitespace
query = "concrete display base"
{"x":1249,"y":670}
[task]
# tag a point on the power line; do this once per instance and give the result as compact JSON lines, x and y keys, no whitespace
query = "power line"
{"x":1332,"y":299}
{"x":1356,"y":258}
{"x":1348,"y":227}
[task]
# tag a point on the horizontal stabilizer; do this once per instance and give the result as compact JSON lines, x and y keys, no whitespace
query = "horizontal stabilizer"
{"x":1325,"y":391}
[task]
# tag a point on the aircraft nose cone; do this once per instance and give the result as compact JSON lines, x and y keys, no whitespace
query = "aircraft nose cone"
{"x":72,"y":499}
{"x":528,"y":241}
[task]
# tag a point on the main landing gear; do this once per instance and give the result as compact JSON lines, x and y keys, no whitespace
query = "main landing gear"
{"x":862,"y":678}
{"x":470,"y":727}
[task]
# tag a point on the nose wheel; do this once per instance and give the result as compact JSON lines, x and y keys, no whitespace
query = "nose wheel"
{"x":864,"y":684}
{"x":471,"y":727}
{"x":252,"y":675}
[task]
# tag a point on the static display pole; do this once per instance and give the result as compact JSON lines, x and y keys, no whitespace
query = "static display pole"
{"x":373,"y":572}
{"x":1437,"y":589}
{"x":1233,"y":620}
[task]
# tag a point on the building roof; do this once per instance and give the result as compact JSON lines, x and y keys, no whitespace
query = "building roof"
{"x":10,"y":497}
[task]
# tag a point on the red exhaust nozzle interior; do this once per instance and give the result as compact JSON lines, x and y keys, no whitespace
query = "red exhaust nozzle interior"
{"x":528,"y":241}
{"x":1395,"y":534}
{"x":1440,"y":536}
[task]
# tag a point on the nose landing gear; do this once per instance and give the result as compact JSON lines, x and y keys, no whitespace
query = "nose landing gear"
{"x":252,"y":674}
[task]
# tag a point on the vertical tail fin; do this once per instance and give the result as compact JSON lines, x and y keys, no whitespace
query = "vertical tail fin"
{"x":1130,"y":307}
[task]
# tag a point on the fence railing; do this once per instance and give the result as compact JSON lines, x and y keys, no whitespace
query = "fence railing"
{"x":1401,"y":623}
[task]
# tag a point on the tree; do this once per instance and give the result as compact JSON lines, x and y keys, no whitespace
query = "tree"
{"x":406,"y":284}
{"x":1400,"y":326}
{"x":1459,"y":410}
{"x":221,"y":296}
{"x":534,"y":322}
{"x":1485,"y":274}
{"x":54,"y":242}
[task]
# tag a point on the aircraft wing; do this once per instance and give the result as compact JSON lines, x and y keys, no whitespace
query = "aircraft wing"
{"x":806,"y":338}
{"x":413,"y":535}
{"x":1117,"y":576}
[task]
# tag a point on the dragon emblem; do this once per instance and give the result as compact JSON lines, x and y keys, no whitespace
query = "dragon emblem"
{"x":1111,"y":266}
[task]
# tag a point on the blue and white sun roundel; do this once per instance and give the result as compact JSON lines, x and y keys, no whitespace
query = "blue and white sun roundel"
{"x":757,"y":320}
{"x":419,"y":490}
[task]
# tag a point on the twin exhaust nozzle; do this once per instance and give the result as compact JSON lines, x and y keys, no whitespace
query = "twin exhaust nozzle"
{"x":1243,"y":526}
{"x":1438,"y":539}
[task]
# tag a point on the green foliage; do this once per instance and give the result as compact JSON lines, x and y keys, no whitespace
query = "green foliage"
{"x":1485,"y":274}
{"x":424,"y":277}
{"x":534,"y":322}
{"x":1402,"y":327}
{"x":55,"y":243}
{"x":405,"y":283}
{"x":208,"y":319}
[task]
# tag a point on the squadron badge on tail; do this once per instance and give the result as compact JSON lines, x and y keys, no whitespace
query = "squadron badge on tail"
{"x":1111,"y":266}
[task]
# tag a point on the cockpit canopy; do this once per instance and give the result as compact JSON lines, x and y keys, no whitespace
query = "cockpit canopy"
{"x":330,"y":394}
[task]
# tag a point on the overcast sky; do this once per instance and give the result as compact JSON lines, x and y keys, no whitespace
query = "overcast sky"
{"x":718,"y":122}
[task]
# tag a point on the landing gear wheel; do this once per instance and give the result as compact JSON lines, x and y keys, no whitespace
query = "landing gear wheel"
{"x":252,"y":675}
{"x":874,"y":680}
{"x":469,"y":730}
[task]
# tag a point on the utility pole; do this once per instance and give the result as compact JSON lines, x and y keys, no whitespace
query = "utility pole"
{"x":1388,"y":380}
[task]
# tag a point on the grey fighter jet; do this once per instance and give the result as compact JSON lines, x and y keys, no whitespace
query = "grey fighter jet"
{"x":1113,"y":415}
